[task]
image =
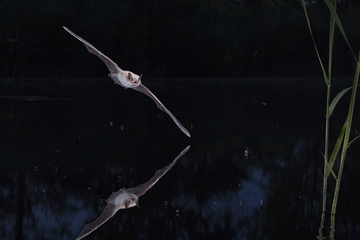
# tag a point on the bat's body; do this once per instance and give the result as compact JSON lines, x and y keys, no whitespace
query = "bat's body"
{"x":126,"y":198}
{"x":127,"y":79}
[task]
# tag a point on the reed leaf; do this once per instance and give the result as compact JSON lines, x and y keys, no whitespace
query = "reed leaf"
{"x":336,"y":100}
{"x":325,"y":75}
{"x":335,"y":152}
{"x":334,"y":15}
{"x":331,"y":47}
{"x":353,"y":141}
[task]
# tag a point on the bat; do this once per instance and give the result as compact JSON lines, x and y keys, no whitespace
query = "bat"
{"x":126,"y":198}
{"x":127,"y":79}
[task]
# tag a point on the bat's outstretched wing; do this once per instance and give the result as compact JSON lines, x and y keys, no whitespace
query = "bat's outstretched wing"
{"x":108,"y":212}
{"x":142,"y":188}
{"x":160,"y":105}
{"x":112,"y":66}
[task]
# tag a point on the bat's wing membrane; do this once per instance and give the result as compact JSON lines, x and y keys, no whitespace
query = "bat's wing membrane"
{"x":112,"y":66}
{"x":108,"y":212}
{"x":142,"y":188}
{"x":160,"y":105}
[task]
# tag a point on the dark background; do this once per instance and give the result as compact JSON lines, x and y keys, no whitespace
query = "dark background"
{"x":179,"y":38}
{"x":67,"y":144}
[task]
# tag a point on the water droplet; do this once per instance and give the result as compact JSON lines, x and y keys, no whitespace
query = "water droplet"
{"x":35,"y":168}
{"x":79,"y":138}
{"x":195,"y":167}
{"x":65,"y":176}
{"x":239,"y":185}
{"x":121,"y":128}
{"x":191,"y":126}
{"x":111,"y":123}
{"x":261,"y":202}
{"x":215,"y":203}
{"x":88,"y":188}
{"x":43,"y":190}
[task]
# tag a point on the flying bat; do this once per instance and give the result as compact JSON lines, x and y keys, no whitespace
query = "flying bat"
{"x":126,"y":198}
{"x":127,"y":79}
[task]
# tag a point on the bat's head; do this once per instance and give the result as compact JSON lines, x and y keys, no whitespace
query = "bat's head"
{"x":131,"y":201}
{"x":134,"y":79}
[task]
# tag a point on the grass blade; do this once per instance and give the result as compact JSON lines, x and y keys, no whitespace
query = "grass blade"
{"x":332,"y":8}
{"x":353,"y":140}
{"x":336,"y":100}
{"x":335,"y":151}
{"x":327,"y":81}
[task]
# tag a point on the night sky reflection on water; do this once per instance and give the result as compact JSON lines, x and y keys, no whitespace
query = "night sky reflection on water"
{"x":67,"y":144}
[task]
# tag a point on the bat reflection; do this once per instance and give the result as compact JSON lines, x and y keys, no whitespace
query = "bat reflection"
{"x":126,"y":198}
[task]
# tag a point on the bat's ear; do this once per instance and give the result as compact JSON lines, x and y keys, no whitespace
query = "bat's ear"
{"x":140,"y":77}
{"x":130,"y":77}
{"x":137,"y":202}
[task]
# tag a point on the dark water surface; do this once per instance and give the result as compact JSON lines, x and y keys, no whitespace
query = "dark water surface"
{"x":66,"y":145}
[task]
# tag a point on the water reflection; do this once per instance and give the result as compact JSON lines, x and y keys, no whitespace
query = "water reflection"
{"x":126,"y":198}
{"x":60,"y":159}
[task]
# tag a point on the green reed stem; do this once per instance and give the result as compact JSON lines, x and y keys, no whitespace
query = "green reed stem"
{"x":345,"y":145}
{"x":344,"y":136}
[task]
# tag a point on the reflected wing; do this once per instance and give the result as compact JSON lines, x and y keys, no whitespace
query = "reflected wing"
{"x":112,"y":66}
{"x":160,"y":105}
{"x":142,"y":188}
{"x":108,"y":212}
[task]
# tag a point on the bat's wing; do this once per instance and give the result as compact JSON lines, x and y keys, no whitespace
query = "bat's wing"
{"x":142,"y":188}
{"x":160,"y":105}
{"x":112,"y":66}
{"x":108,"y":212}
